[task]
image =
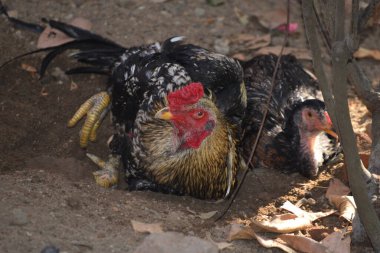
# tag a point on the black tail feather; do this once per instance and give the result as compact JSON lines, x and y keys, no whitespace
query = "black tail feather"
{"x":19,"y":23}
{"x":93,"y":49}
{"x":79,"y":33}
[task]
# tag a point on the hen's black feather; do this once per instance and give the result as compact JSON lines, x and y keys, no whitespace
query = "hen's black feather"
{"x":279,"y":144}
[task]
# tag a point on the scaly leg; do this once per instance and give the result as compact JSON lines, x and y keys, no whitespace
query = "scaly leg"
{"x":96,"y":109}
{"x":108,"y":175}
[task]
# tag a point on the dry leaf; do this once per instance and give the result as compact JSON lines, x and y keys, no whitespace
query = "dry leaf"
{"x":337,"y":187}
{"x":146,"y":228}
{"x":29,"y":68}
{"x":303,"y":244}
{"x":73,"y":85}
{"x":208,"y":215}
{"x":44,"y":92}
{"x":319,"y":234}
{"x":367,"y":53}
{"x":300,"y":53}
{"x":337,"y":243}
{"x":301,"y":213}
{"x":284,"y":223}
{"x":252,"y":42}
{"x":243,"y":18}
{"x":220,"y":245}
{"x":272,"y":18}
{"x":51,"y":37}
{"x":337,"y":196}
{"x":239,"y":232}
{"x":345,"y":205}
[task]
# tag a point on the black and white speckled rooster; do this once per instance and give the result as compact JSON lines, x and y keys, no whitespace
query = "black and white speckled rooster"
{"x":297,"y":133}
{"x":177,"y":110}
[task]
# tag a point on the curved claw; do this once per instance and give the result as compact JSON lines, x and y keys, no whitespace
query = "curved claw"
{"x":96,"y":109}
{"x":108,"y":175}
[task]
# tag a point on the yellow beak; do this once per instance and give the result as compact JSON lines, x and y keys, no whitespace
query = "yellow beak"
{"x":331,"y":132}
{"x":164,"y":114}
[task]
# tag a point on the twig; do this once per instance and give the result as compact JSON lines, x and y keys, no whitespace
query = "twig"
{"x":340,"y":55}
{"x":285,"y":41}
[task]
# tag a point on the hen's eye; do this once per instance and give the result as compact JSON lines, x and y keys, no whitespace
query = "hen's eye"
{"x":198,"y":114}
{"x":309,"y":114}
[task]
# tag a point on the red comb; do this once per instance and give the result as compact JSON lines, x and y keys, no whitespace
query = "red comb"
{"x":328,"y":118}
{"x":188,"y":95}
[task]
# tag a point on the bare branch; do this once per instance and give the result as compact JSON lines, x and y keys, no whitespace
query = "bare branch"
{"x":340,"y":111}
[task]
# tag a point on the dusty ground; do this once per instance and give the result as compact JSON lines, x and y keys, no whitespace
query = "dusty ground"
{"x":47,"y":193}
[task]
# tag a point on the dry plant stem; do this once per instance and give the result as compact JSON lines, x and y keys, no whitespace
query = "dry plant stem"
{"x":341,"y":118}
{"x":311,"y":34}
{"x":263,"y":119}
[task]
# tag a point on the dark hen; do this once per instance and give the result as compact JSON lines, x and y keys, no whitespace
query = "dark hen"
{"x":176,"y":108}
{"x":294,"y":135}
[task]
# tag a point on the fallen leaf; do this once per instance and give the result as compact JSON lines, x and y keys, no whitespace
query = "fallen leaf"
{"x":365,"y":158}
{"x":220,"y":245}
{"x":29,"y":68}
{"x":44,"y":92}
{"x":336,"y":242}
{"x":51,"y":37}
{"x":146,"y":227}
{"x":243,"y":18}
{"x":303,"y":244}
{"x":284,"y":223}
{"x":301,"y":213}
{"x":319,"y":234}
{"x":272,"y":18}
{"x":337,"y":187}
{"x":252,"y":42}
{"x":239,"y":232}
{"x":206,"y":216}
{"x":367,"y":53}
{"x":73,"y":85}
{"x":300,"y":53}
{"x":345,"y":205}
{"x":337,"y":196}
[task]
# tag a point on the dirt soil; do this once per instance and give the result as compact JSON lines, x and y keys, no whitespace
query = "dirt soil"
{"x":47,"y":192}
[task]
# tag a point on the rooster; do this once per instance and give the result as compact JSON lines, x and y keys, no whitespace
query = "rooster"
{"x":177,"y":110}
{"x":298,"y":133}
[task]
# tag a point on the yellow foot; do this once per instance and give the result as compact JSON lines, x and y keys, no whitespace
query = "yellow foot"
{"x":96,"y":109}
{"x":108,"y":175}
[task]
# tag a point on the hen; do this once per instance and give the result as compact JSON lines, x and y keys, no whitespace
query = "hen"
{"x":176,"y":108}
{"x":297,"y":134}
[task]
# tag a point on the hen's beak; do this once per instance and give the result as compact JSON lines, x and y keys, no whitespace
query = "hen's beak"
{"x":164,"y":114}
{"x":331,"y":132}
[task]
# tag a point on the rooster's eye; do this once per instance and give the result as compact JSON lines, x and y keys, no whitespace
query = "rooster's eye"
{"x":198,"y":115}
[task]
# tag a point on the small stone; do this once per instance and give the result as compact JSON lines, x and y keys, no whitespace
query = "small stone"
{"x":73,"y":203}
{"x":173,"y":242}
{"x":222,"y":46}
{"x":199,"y":12}
{"x":60,"y":75}
{"x":19,"y":217}
{"x":50,"y":249}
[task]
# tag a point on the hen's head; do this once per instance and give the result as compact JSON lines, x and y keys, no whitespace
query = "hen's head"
{"x":193,"y":116}
{"x":309,"y":120}
{"x":311,"y":117}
